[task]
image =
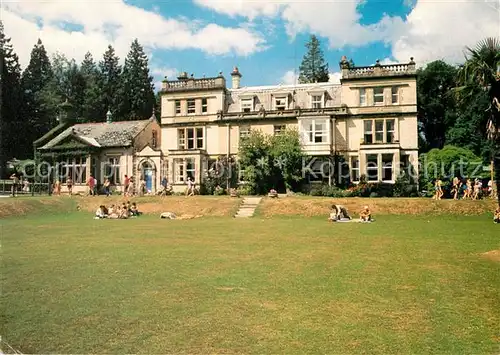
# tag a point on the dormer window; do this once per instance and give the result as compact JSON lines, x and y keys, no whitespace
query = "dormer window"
{"x":280,"y":103}
{"x":247,"y":104}
{"x":317,"y":101}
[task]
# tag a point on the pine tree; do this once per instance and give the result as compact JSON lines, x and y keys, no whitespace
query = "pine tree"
{"x":10,"y":101}
{"x":109,"y":82}
{"x":137,"y":90}
{"x":93,"y":106}
{"x":39,"y":114}
{"x":313,"y":67}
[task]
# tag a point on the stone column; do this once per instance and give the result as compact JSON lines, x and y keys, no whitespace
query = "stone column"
{"x":88,"y":167}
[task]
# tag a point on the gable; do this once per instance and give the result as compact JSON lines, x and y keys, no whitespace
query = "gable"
{"x":71,"y":142}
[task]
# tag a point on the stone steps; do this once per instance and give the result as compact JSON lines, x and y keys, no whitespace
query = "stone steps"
{"x":247,"y":207}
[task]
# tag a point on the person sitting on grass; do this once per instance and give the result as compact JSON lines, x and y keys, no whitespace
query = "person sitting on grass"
{"x":123,"y":213}
{"x":102,"y":212}
{"x":133,"y":210}
{"x":496,"y":215}
{"x":365,"y":215}
{"x":273,"y":193}
{"x":338,"y":213}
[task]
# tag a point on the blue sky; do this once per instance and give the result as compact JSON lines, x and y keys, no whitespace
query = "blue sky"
{"x":264,"y":38}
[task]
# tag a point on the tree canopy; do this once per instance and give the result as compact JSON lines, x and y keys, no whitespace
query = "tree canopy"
{"x":314,"y":68}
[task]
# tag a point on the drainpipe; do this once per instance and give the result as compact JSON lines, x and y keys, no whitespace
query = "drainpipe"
{"x":228,"y":154}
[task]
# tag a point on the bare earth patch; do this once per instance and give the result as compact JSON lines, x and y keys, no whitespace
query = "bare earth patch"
{"x":320,"y":206}
{"x":493,"y":255}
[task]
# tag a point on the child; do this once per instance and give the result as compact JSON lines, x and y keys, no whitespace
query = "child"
{"x":496,"y":216}
{"x":365,"y":215}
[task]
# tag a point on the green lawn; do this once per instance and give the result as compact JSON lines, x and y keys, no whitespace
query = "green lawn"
{"x":71,"y":284}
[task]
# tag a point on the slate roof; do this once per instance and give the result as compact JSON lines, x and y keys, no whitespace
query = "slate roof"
{"x":102,"y":134}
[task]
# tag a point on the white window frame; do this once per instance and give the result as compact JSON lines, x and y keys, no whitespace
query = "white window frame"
{"x":378,"y":95}
{"x":191,"y":110}
{"x":183,"y":139}
{"x":247,"y":103}
{"x":395,"y":95}
{"x":378,"y":132}
{"x":177,"y":107}
{"x":244,"y":131}
{"x":179,"y":170}
{"x":317,"y":101}
{"x":312,"y":133}
{"x":204,"y":105}
{"x":278,"y":129}
{"x":387,"y":167}
{"x":387,"y":131}
{"x":114,"y":165}
{"x":370,"y":132}
{"x":355,"y":171}
{"x":282,"y":105}
{"x":362,"y":97}
{"x":190,"y":172}
{"x":370,"y":168}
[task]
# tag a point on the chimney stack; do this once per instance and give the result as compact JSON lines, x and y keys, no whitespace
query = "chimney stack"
{"x":236,"y":76}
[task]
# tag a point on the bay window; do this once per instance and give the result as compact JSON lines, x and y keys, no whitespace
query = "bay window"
{"x":184,"y":168}
{"x":190,"y":138}
{"x":317,"y":131}
{"x":379,"y":131}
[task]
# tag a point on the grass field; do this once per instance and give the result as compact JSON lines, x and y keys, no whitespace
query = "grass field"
{"x":294,"y":285}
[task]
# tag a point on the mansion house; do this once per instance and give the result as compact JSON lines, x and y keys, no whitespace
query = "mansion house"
{"x":369,"y":120}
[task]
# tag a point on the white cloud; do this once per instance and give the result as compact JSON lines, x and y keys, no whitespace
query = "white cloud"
{"x":440,"y":30}
{"x":433,"y":29}
{"x":98,"y":24}
{"x":291,"y":77}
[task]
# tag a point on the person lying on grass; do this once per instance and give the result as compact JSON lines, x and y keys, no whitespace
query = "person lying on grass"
{"x":365,"y":215}
{"x":338,"y":212}
{"x":171,"y":215}
{"x":496,"y":215}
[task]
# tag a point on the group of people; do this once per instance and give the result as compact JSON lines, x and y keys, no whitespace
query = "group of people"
{"x":467,"y":189}
{"x":125,"y":211}
{"x":339,"y":213}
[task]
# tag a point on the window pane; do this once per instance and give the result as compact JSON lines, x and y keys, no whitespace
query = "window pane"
{"x":191,"y":105}
{"x":368,"y":137}
{"x":204,"y":105}
{"x":395,"y":94}
{"x":362,"y":97}
{"x":372,"y":167}
{"x":368,"y":126}
{"x":379,"y":131}
{"x":387,"y":166}
{"x":378,"y":95}
{"x":177,"y":106}
{"x":389,"y":124}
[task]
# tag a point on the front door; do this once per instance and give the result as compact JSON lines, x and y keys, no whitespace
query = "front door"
{"x":148,"y":177}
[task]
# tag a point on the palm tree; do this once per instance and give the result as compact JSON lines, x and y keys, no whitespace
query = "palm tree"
{"x":482,"y":67}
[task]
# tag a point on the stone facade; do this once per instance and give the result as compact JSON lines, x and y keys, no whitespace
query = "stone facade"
{"x":369,"y":119}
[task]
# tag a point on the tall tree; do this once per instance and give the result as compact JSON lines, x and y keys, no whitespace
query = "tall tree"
{"x":137,"y":99}
{"x":482,"y":67}
{"x":93,"y":106}
{"x":109,"y":81}
{"x":38,"y":114}
{"x":313,"y":67}
{"x":10,"y":100}
{"x":436,"y":104}
{"x":66,"y":84}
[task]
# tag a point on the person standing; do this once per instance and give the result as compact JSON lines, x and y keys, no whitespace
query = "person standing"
{"x":15,"y":182}
{"x":69,"y":185}
{"x":90,"y":184}
{"x":106,"y":185}
{"x":126,"y":184}
{"x":190,"y":189}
